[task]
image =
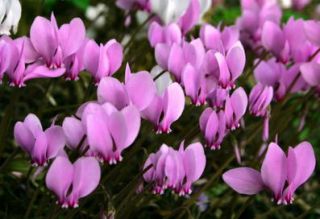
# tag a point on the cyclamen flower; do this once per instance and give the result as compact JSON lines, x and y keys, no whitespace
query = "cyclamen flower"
{"x":274,"y":40}
{"x":175,"y":170}
{"x":164,"y":34}
{"x":54,"y":44}
{"x":165,"y":108}
{"x":10,"y":14}
{"x":70,"y":182}
{"x":235,"y":108}
{"x":254,"y":15}
{"x":219,"y":40}
{"x":259,"y":99}
{"x":109,"y":131}
{"x":102,"y":60}
{"x":175,"y":57}
{"x":279,"y":173}
{"x":138,"y":89}
{"x":226,"y":68}
{"x":19,"y":53}
{"x":40,"y":145}
{"x":213,"y":125}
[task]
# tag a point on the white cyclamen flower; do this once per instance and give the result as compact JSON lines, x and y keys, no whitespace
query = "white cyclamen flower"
{"x":169,"y":10}
{"x":10,"y":13}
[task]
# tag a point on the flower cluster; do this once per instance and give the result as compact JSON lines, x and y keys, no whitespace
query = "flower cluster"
{"x":53,"y":51}
{"x":175,"y":169}
{"x":292,"y":171}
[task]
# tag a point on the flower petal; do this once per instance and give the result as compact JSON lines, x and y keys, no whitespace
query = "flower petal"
{"x":274,"y":170}
{"x":59,"y":177}
{"x":244,"y":180}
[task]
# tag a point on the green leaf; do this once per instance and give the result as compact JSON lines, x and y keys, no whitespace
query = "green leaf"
{"x":82,"y":4}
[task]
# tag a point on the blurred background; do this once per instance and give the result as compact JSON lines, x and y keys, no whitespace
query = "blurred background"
{"x":22,"y":190}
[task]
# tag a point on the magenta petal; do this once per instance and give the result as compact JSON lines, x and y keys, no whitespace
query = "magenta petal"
{"x":86,"y":178}
{"x":56,"y":140}
{"x":118,"y":129}
{"x":274,"y":170}
{"x":141,"y":89}
{"x":239,"y":101}
{"x":59,"y":177}
{"x":194,"y":161}
{"x":311,"y":73}
{"x":224,"y":74}
{"x":236,"y":59}
{"x":91,"y":56}
{"x":191,"y":82}
{"x":41,"y":71}
{"x":176,"y":61}
{"x":155,"y":34}
{"x":153,"y":112}
{"x":113,"y":91}
{"x":204,"y":118}
{"x":162,"y":52}
{"x":98,"y":135}
{"x":73,"y":131}
{"x":33,"y":123}
{"x":312,"y":30}
{"x":191,"y":16}
{"x":43,"y":38}
{"x":24,"y":137}
{"x":301,"y":164}
{"x":273,"y":38}
{"x":173,"y":34}
{"x":268,"y":73}
{"x":212,"y":127}
{"x":244,"y":180}
{"x":72,"y":36}
{"x":132,"y":119}
{"x":174,"y":102}
{"x":115,"y":54}
{"x":39,"y":151}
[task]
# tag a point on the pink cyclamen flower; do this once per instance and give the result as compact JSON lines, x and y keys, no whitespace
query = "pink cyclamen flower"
{"x":40,"y":145}
{"x":110,"y":131}
{"x":279,"y":173}
{"x":175,"y":170}
{"x":226,"y":68}
{"x":139,"y":89}
{"x":213,"y":126}
{"x":254,"y":15}
{"x":219,"y":40}
{"x":164,"y":34}
{"x":103,"y":60}
{"x":54,"y":44}
{"x":165,"y":108}
{"x":70,"y":182}
{"x":274,"y":40}
{"x":21,"y":53}
{"x":259,"y":99}
{"x":191,"y":16}
{"x":174,"y":57}
{"x":300,"y":47}
{"x":235,"y":108}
